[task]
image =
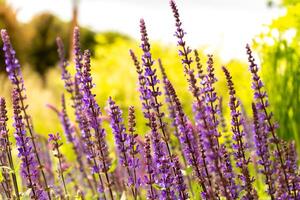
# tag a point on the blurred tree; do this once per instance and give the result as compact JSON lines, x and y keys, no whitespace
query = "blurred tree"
{"x":35,"y":41}
{"x":44,"y":28}
{"x":9,"y":21}
{"x":279,"y":50}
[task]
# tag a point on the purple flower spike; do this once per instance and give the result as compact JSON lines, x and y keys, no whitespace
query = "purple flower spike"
{"x":77,"y":146}
{"x":152,"y":82}
{"x":200,"y":72}
{"x":55,"y":141}
{"x":185,"y":51}
{"x":179,"y":180}
{"x":150,"y":170}
{"x":29,"y":165}
{"x":94,"y":116}
{"x":186,"y":137}
{"x":292,"y":169}
{"x":122,"y":140}
{"x":262,"y":151}
{"x":5,"y":153}
{"x":145,"y":94}
{"x":239,"y":147}
{"x":169,"y":101}
{"x":63,"y":64}
{"x":134,"y":149}
{"x":77,"y":52}
{"x":210,"y":96}
{"x":262,"y":103}
{"x":13,"y":69}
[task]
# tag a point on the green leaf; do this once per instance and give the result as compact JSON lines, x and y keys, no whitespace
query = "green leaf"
{"x":156,"y":186}
{"x":113,"y":166}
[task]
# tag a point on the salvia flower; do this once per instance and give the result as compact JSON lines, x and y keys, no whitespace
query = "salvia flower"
{"x":6,"y":182}
{"x":13,"y":69}
{"x":191,"y":151}
{"x":291,"y":158}
{"x":262,"y":103}
{"x":179,"y":180}
{"x":149,"y":178}
{"x":6,"y":148}
{"x":210,"y":96}
{"x":145,"y":94}
{"x":94,"y":115}
{"x":77,"y":52}
{"x":29,"y":165}
{"x":200,"y":71}
{"x":55,"y":141}
{"x":134,"y":149}
{"x":85,"y":129}
{"x":122,"y":140}
{"x":168,"y":99}
{"x":185,"y":51}
{"x":262,"y":150}
{"x":228,"y":172}
{"x":152,"y":84}
{"x":77,"y":146}
{"x":239,"y":146}
{"x":63,"y":64}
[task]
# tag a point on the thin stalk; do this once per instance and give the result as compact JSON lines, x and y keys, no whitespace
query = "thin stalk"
{"x":29,"y":127}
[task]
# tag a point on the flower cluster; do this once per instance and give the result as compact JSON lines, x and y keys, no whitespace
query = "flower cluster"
{"x":194,"y":157}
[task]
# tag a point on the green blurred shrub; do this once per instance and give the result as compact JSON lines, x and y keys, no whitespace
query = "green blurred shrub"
{"x":279,"y":50}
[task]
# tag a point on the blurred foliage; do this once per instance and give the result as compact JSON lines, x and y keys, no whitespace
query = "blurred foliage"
{"x":43,"y":29}
{"x":8,"y":20}
{"x":36,"y":39}
{"x":279,"y":49}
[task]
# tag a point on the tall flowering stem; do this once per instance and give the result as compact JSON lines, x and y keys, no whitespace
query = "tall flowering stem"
{"x":152,"y":83}
{"x":172,"y":112}
{"x":5,"y":181}
{"x":210,"y":96}
{"x":200,"y":71}
{"x":208,"y":132}
{"x":184,"y":50}
{"x":292,"y":168}
{"x":162,"y":162}
{"x":94,"y":116}
{"x":86,"y":135}
{"x":261,"y":101}
{"x":262,"y":150}
{"x":77,"y":54}
{"x":134,"y":149}
{"x":150,"y":170}
{"x":72,"y":138}
{"x":55,"y":142}
{"x":29,"y":165}
{"x":179,"y":180}
{"x":122,"y":140}
{"x":72,"y":87}
{"x":63,"y":64}
{"x":13,"y":69}
{"x":239,"y":146}
{"x":145,"y":95}
{"x":186,"y":137}
{"x":6,"y":144}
